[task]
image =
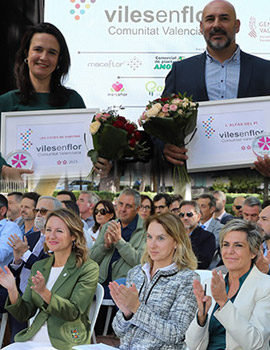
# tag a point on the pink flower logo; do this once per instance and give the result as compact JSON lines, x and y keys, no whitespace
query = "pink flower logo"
{"x":264,"y":143}
{"x":19,"y":161}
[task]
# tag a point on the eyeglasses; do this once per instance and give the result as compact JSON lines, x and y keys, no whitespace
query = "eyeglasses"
{"x":238,"y":207}
{"x":160,"y":207}
{"x":145,"y":207}
{"x":101,"y":211}
{"x":189,"y":214}
{"x":42,"y":211}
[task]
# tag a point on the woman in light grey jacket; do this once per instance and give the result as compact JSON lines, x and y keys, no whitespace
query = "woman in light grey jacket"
{"x":157,"y":304}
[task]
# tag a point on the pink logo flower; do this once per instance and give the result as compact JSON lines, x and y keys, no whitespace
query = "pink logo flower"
{"x":264,"y":143}
{"x":19,"y":161}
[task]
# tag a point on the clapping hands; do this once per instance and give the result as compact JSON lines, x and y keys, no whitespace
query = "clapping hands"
{"x":112,"y":234}
{"x":19,"y":246}
{"x":218,"y":291}
{"x":126,"y":299}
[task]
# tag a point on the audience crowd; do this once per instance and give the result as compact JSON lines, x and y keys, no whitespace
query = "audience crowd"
{"x":136,"y":229}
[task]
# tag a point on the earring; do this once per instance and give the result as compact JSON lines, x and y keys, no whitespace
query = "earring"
{"x":57,"y":67}
{"x":25,"y":60}
{"x":73,"y":244}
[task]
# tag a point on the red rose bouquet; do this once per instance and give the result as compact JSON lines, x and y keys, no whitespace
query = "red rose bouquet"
{"x":115,"y":138}
{"x":172,"y":119}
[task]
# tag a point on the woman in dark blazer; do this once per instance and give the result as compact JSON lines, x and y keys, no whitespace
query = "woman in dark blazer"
{"x":61,"y":289}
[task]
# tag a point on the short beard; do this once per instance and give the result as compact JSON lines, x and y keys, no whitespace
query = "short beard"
{"x":218,"y":45}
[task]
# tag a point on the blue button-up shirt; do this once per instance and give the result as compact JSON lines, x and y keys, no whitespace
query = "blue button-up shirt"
{"x":7,"y":228}
{"x":222,"y":79}
{"x":90,"y":222}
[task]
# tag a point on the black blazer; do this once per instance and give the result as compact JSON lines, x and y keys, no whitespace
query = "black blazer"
{"x":203,"y":245}
{"x":226,"y":218}
{"x":189,"y":76}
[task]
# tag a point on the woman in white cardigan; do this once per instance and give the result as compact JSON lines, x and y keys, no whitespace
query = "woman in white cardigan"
{"x":238,"y":313}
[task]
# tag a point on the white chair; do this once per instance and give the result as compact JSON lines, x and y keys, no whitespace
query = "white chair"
{"x":94,"y":310}
{"x":110,"y":304}
{"x":4,"y":318}
{"x":204,"y":274}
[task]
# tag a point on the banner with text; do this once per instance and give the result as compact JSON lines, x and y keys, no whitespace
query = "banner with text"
{"x":122,"y":51}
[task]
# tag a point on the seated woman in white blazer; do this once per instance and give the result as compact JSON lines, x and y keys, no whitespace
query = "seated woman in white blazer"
{"x":238,"y":313}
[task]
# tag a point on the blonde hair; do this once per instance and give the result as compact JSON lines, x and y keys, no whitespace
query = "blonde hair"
{"x":172,"y":224}
{"x":75,"y":226}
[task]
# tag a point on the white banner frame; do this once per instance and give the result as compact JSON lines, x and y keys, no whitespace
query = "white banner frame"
{"x":72,"y":161}
{"x":217,"y":144}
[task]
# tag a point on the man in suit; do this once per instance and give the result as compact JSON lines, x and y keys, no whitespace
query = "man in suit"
{"x":202,"y":241}
{"x":220,"y":214}
{"x":237,"y":206}
{"x":223,"y":71}
{"x":251,"y":209}
{"x":207,"y":204}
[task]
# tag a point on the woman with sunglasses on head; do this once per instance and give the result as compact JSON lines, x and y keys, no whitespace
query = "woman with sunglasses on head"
{"x":103,"y":212}
{"x":61,"y":289}
{"x":237,"y":313}
{"x":157,"y":304}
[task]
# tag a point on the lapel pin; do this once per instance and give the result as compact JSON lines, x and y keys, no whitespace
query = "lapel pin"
{"x":65,"y":274}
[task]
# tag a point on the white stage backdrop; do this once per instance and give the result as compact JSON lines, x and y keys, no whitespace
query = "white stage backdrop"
{"x":122,"y":50}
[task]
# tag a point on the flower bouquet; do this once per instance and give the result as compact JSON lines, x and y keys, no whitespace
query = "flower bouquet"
{"x":115,"y":138}
{"x":172,"y":119}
